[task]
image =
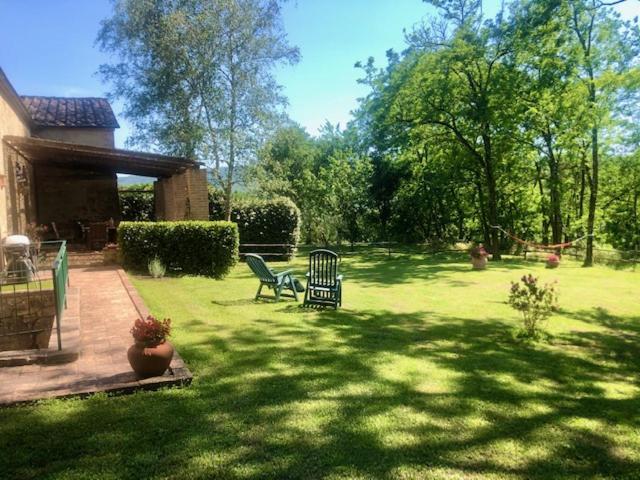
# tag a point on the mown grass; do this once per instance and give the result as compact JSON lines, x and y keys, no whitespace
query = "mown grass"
{"x":418,"y":376}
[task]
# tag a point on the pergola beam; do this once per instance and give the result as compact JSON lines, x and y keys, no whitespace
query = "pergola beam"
{"x":39,"y":150}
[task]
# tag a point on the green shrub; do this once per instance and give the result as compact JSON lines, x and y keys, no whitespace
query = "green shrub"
{"x":137,"y":203}
{"x":156,"y":268}
{"x":189,"y":247}
{"x":216,"y":203}
{"x":275,"y":221}
{"x":534,"y":301}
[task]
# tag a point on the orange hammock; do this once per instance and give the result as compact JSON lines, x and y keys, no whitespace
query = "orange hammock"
{"x":541,"y":246}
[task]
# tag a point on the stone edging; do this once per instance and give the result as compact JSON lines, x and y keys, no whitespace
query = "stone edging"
{"x":178,"y":368}
{"x":135,"y":297}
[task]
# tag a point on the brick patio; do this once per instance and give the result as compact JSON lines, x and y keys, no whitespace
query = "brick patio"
{"x":106,"y":304}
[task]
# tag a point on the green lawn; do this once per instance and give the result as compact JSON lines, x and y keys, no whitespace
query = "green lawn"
{"x":418,"y":376}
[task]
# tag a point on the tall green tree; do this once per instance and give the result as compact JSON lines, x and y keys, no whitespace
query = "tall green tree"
{"x":621,"y":201}
{"x":551,"y":120}
{"x":463,"y":85}
{"x":346,"y":198}
{"x":606,"y":48}
{"x":196,"y":76}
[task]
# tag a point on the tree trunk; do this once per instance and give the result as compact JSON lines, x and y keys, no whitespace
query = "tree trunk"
{"x":593,"y":194}
{"x":583,"y":186}
{"x":483,"y":214}
{"x":492,"y":199}
{"x":543,"y":207}
{"x":635,"y":222}
{"x":555,"y":194}
{"x":228,"y":187}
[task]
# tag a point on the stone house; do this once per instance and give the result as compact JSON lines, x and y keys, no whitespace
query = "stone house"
{"x":58,"y":164}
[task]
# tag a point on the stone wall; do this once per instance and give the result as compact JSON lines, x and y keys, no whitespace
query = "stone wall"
{"x":26,"y":311}
{"x":98,"y":137}
{"x":13,"y":121}
{"x":66,"y":196}
{"x":182,"y":196}
{"x":20,"y":208}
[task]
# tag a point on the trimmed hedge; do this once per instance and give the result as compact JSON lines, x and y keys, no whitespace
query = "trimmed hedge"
{"x":189,"y":247}
{"x":137,"y":206}
{"x":274,"y":221}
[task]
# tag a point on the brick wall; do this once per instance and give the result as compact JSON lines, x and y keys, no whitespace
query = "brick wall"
{"x":12,"y":122}
{"x":182,"y":196}
{"x":21,"y":311}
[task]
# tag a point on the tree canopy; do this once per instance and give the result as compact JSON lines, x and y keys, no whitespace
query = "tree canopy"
{"x":527,"y":121}
{"x":197,"y":76}
{"x":498,"y":122}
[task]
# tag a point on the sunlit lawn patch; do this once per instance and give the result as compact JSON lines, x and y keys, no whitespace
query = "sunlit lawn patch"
{"x":418,"y":375}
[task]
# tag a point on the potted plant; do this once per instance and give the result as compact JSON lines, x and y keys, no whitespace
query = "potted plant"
{"x":553,"y":261}
{"x":151,"y":353}
{"x":478,"y":257}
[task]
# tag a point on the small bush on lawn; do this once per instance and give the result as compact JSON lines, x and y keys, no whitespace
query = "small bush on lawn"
{"x":189,"y":247}
{"x":156,"y":268}
{"x":534,"y":301}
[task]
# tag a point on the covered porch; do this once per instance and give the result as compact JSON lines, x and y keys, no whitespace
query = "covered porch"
{"x":68,"y":188}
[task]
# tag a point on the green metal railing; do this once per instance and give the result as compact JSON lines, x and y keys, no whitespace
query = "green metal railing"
{"x":60,"y":274}
{"x":28,"y":283}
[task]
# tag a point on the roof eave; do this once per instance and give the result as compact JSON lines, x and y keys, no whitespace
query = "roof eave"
{"x":123,"y":161}
{"x":12,"y":97}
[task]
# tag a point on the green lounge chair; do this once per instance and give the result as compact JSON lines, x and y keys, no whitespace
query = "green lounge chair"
{"x":276,"y":281}
{"x":324,"y":285}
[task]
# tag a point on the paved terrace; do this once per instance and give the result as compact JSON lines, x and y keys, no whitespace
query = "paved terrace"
{"x":106,"y":304}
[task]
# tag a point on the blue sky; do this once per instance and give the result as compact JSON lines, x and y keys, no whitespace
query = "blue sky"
{"x":47,"y":48}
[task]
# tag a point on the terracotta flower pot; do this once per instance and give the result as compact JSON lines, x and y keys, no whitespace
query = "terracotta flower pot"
{"x":479,"y":263}
{"x":150,"y":361}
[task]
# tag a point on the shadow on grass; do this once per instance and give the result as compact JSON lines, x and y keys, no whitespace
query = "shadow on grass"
{"x":383,"y":270}
{"x":310,"y":399}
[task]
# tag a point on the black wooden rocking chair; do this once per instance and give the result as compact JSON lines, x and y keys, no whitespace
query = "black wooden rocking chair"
{"x":275,"y":281}
{"x":324,"y":285}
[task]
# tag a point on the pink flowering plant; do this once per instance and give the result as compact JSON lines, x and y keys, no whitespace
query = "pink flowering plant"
{"x":478,"y":251}
{"x":534,"y":301}
{"x":553,"y":260}
{"x":151,"y":332}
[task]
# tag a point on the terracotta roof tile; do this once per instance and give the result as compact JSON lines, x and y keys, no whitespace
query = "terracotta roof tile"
{"x":70,"y":112}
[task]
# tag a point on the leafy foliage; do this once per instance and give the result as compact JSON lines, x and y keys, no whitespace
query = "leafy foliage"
{"x":188,"y":247}
{"x":484,"y":122}
{"x":527,"y":120}
{"x":196,"y":76}
{"x":137,"y":203}
{"x":275,"y":221}
{"x":156,"y":268}
{"x":478,"y":251}
{"x":151,"y":332}
{"x":534,"y":301}
{"x":325,"y":177}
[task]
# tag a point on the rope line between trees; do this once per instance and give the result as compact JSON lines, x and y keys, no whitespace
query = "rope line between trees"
{"x":541,"y":245}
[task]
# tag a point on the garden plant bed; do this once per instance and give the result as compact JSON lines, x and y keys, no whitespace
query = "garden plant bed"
{"x":417,"y":376}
